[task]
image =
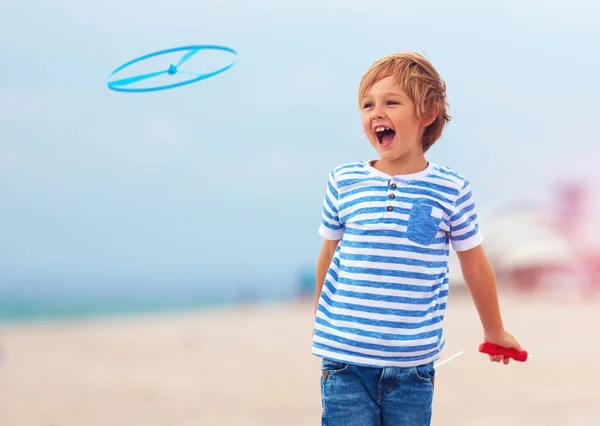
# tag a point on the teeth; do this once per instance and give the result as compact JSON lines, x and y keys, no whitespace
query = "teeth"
{"x":381,"y":128}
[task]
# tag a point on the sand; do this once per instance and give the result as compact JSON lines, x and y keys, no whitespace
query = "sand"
{"x":253,"y":366}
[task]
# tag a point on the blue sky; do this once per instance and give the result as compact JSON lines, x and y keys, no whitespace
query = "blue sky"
{"x":226,"y":177}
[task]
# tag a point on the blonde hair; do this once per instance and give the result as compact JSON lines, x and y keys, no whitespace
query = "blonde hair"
{"x":421,"y":82}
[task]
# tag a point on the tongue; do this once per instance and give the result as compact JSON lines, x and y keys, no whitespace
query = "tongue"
{"x":387,"y":138}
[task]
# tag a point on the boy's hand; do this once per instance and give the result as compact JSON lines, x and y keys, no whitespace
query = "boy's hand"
{"x":504,"y":339}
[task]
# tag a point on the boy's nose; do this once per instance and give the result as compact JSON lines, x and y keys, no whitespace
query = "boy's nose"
{"x":377,"y":113}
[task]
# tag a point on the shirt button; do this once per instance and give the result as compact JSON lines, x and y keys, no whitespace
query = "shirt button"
{"x":390,"y":208}
{"x":392,"y":196}
{"x":394,"y":186}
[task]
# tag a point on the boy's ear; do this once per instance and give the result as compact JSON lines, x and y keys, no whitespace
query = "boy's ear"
{"x":432,"y":114}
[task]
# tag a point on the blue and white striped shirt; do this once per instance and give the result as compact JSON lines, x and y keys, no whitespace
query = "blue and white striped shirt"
{"x":384,"y":297}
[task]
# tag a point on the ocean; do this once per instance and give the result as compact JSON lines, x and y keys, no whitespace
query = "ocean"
{"x":70,"y":298}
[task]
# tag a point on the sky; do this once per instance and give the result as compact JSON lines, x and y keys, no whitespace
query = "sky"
{"x":225,"y":178}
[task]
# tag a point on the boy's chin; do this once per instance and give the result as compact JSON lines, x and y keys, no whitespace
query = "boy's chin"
{"x":391,"y":156}
{"x":388,"y":154}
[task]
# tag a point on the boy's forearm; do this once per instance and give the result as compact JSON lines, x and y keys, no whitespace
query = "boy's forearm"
{"x":481,"y":281}
{"x":485,"y":296}
{"x":322,"y":267}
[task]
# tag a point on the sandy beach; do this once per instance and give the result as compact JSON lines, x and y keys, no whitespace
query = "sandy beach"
{"x":252,"y":366}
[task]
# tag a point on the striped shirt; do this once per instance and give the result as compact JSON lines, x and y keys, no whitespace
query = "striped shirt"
{"x":384,"y":296}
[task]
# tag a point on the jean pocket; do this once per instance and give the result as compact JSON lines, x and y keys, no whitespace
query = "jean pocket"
{"x":424,"y":223}
{"x":425,"y":372}
{"x":333,"y":366}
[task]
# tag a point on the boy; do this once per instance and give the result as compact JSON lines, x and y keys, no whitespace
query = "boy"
{"x":382,"y":274}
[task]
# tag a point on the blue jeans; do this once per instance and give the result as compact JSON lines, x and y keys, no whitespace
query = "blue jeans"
{"x":365,"y":396}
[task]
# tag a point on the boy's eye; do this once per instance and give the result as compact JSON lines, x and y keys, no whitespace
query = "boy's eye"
{"x":367,"y":105}
{"x":392,"y":102}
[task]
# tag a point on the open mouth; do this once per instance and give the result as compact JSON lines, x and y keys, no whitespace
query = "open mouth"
{"x":385,"y":135}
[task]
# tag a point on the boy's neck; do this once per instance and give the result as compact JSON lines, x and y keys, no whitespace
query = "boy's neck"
{"x":401,"y":166}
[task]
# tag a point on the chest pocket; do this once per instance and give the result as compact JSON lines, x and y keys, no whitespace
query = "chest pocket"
{"x":425,"y":222}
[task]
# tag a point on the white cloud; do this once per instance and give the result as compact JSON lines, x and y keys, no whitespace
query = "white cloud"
{"x":25,"y":106}
{"x":163,"y":133}
{"x":499,"y":94}
{"x":282,"y":161}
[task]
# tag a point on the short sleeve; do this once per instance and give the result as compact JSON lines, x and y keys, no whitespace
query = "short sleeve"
{"x":331,"y":227}
{"x":464,"y":223}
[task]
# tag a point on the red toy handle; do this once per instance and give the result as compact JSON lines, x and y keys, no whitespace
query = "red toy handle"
{"x":491,"y":349}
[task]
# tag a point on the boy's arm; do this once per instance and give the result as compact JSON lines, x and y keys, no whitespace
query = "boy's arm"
{"x":481,"y":281}
{"x":332,"y":230}
{"x":323,"y":262}
{"x":477,"y":270}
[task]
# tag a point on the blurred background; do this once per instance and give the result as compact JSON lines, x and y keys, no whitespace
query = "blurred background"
{"x":158,"y":249}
